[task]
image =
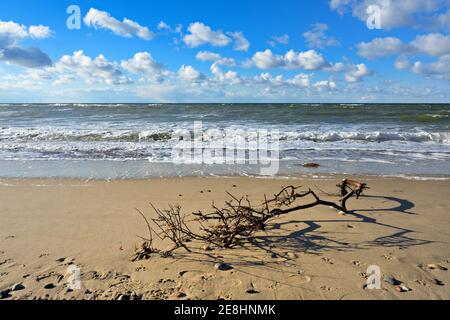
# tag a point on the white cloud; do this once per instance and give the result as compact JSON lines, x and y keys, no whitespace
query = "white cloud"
{"x":317,"y":38}
{"x":394,"y":14}
{"x":443,"y":20}
{"x":98,"y":70}
{"x":40,"y":32}
{"x":64,"y":79}
{"x":381,"y":47}
{"x":240,"y":42}
{"x":267,"y":78}
{"x":190,"y":74}
{"x":163,"y":26}
{"x":141,"y":62}
{"x":267,"y":60}
{"x":229,"y":77}
{"x":127,"y":28}
{"x":325,"y":85}
{"x":357,"y":72}
{"x":300,"y":80}
{"x":275,"y":40}
{"x":307,"y":60}
{"x":433,"y":44}
{"x":201,"y":34}
{"x":439,"y":69}
{"x":11,"y":33}
{"x":215,"y":57}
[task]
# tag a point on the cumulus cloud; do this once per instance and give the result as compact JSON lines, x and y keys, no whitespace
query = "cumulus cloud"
{"x":307,"y":60}
{"x":40,"y":32}
{"x":215,"y":57}
{"x":267,"y":78}
{"x":267,"y":60}
{"x":440,"y":68}
{"x":325,"y":85}
{"x":300,"y":80}
{"x":357,"y":72}
{"x":317,"y":38}
{"x":240,"y":42}
{"x":141,"y":62}
{"x":11,"y":34}
{"x":433,"y":44}
{"x":394,"y":14}
{"x":163,"y":26}
{"x":98,"y":70}
{"x":201,"y":34}
{"x":190,"y":74}
{"x":381,"y":47}
{"x":126,"y":28}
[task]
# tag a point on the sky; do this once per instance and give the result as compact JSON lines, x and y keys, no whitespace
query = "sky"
{"x":314,"y":51}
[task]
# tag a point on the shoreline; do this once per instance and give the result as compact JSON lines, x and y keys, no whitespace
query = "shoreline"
{"x":311,"y":176}
{"x":399,"y":225}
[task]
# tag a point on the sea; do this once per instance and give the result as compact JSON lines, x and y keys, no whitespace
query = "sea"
{"x":137,"y":141}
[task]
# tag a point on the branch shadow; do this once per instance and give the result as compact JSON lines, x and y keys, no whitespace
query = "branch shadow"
{"x":311,"y":240}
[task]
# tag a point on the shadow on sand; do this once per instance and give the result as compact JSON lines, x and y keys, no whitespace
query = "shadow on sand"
{"x":272,"y":250}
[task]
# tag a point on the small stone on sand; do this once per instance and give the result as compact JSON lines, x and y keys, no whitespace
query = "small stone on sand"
{"x":49,"y":286}
{"x":4,"y":294}
{"x":391,"y":280}
{"x":438,"y":282}
{"x":222,"y":267}
{"x":311,"y":165}
{"x":17,"y":287}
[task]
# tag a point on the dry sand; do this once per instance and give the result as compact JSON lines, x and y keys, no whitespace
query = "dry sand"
{"x":46,"y":226}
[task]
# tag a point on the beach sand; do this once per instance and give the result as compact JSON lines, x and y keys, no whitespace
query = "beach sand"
{"x":46,"y":226}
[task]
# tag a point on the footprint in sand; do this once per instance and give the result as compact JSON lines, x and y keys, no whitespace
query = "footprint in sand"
{"x":6,"y":261}
{"x":433,"y":266}
{"x":356,"y":263}
{"x":388,"y":256}
{"x":422,"y":283}
{"x":140,"y":268}
{"x":326,"y":288}
{"x":45,"y":276}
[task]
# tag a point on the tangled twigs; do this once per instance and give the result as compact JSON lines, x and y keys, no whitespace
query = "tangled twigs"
{"x":238,"y":219}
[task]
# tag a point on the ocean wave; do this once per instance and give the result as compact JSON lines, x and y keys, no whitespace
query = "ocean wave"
{"x":57,"y":134}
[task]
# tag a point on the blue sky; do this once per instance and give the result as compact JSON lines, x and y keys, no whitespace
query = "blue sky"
{"x":225,"y":51}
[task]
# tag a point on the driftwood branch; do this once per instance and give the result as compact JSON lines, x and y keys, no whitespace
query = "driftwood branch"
{"x":238,"y":219}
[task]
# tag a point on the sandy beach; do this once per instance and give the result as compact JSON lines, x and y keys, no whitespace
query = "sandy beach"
{"x":46,"y":226}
